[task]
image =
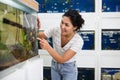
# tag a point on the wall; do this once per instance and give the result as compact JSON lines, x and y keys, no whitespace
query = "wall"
{"x":88,"y":58}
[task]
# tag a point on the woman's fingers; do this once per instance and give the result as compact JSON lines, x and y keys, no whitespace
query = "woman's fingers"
{"x":38,"y":23}
{"x":43,"y":43}
{"x":38,"y":38}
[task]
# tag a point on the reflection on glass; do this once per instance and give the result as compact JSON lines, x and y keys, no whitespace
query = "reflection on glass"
{"x":17,"y":36}
{"x":110,"y":39}
{"x":110,"y":5}
{"x":110,"y":73}
{"x":56,"y":6}
{"x":89,"y":39}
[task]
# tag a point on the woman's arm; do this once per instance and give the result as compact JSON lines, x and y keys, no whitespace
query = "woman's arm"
{"x":59,"y":58}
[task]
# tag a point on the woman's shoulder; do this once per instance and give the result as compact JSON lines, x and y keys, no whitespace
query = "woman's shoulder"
{"x":78,"y":38}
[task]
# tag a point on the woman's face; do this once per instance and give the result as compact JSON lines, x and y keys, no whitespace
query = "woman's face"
{"x":66,"y":26}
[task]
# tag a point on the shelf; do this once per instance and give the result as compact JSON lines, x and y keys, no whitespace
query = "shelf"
{"x":20,"y":5}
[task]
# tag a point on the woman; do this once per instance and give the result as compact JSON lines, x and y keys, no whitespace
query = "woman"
{"x":66,"y":42}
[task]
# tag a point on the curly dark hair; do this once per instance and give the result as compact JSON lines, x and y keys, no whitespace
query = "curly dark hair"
{"x":75,"y":18}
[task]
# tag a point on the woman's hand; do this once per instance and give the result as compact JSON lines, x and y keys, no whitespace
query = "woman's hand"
{"x":44,"y":44}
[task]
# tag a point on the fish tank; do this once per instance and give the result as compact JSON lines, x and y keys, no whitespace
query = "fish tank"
{"x":18,"y":31}
{"x":61,"y":6}
{"x":83,"y":73}
{"x":110,"y":73}
{"x":110,"y":5}
{"x":86,"y":73}
{"x":47,"y":73}
{"x":110,"y":39}
{"x":88,"y":38}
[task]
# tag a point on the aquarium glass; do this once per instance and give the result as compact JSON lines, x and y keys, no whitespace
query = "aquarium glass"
{"x":86,"y":74}
{"x":60,"y":6}
{"x":110,"y":73}
{"x":110,"y":5}
{"x":110,"y":39}
{"x":88,"y":38}
{"x":83,"y":73}
{"x":17,"y":36}
{"x":47,"y":73}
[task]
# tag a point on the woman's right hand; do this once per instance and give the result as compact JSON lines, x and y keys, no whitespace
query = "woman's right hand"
{"x":44,"y":44}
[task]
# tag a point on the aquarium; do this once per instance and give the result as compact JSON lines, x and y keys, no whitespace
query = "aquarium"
{"x":47,"y":73}
{"x":18,"y":31}
{"x":83,"y":6}
{"x":110,"y":39}
{"x":60,"y":6}
{"x":110,"y":5}
{"x":88,"y":38}
{"x":83,"y":73}
{"x":86,"y":73}
{"x":110,"y":73}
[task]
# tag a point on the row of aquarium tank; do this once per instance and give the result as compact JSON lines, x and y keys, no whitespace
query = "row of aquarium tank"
{"x":89,"y":73}
{"x":60,"y":6}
